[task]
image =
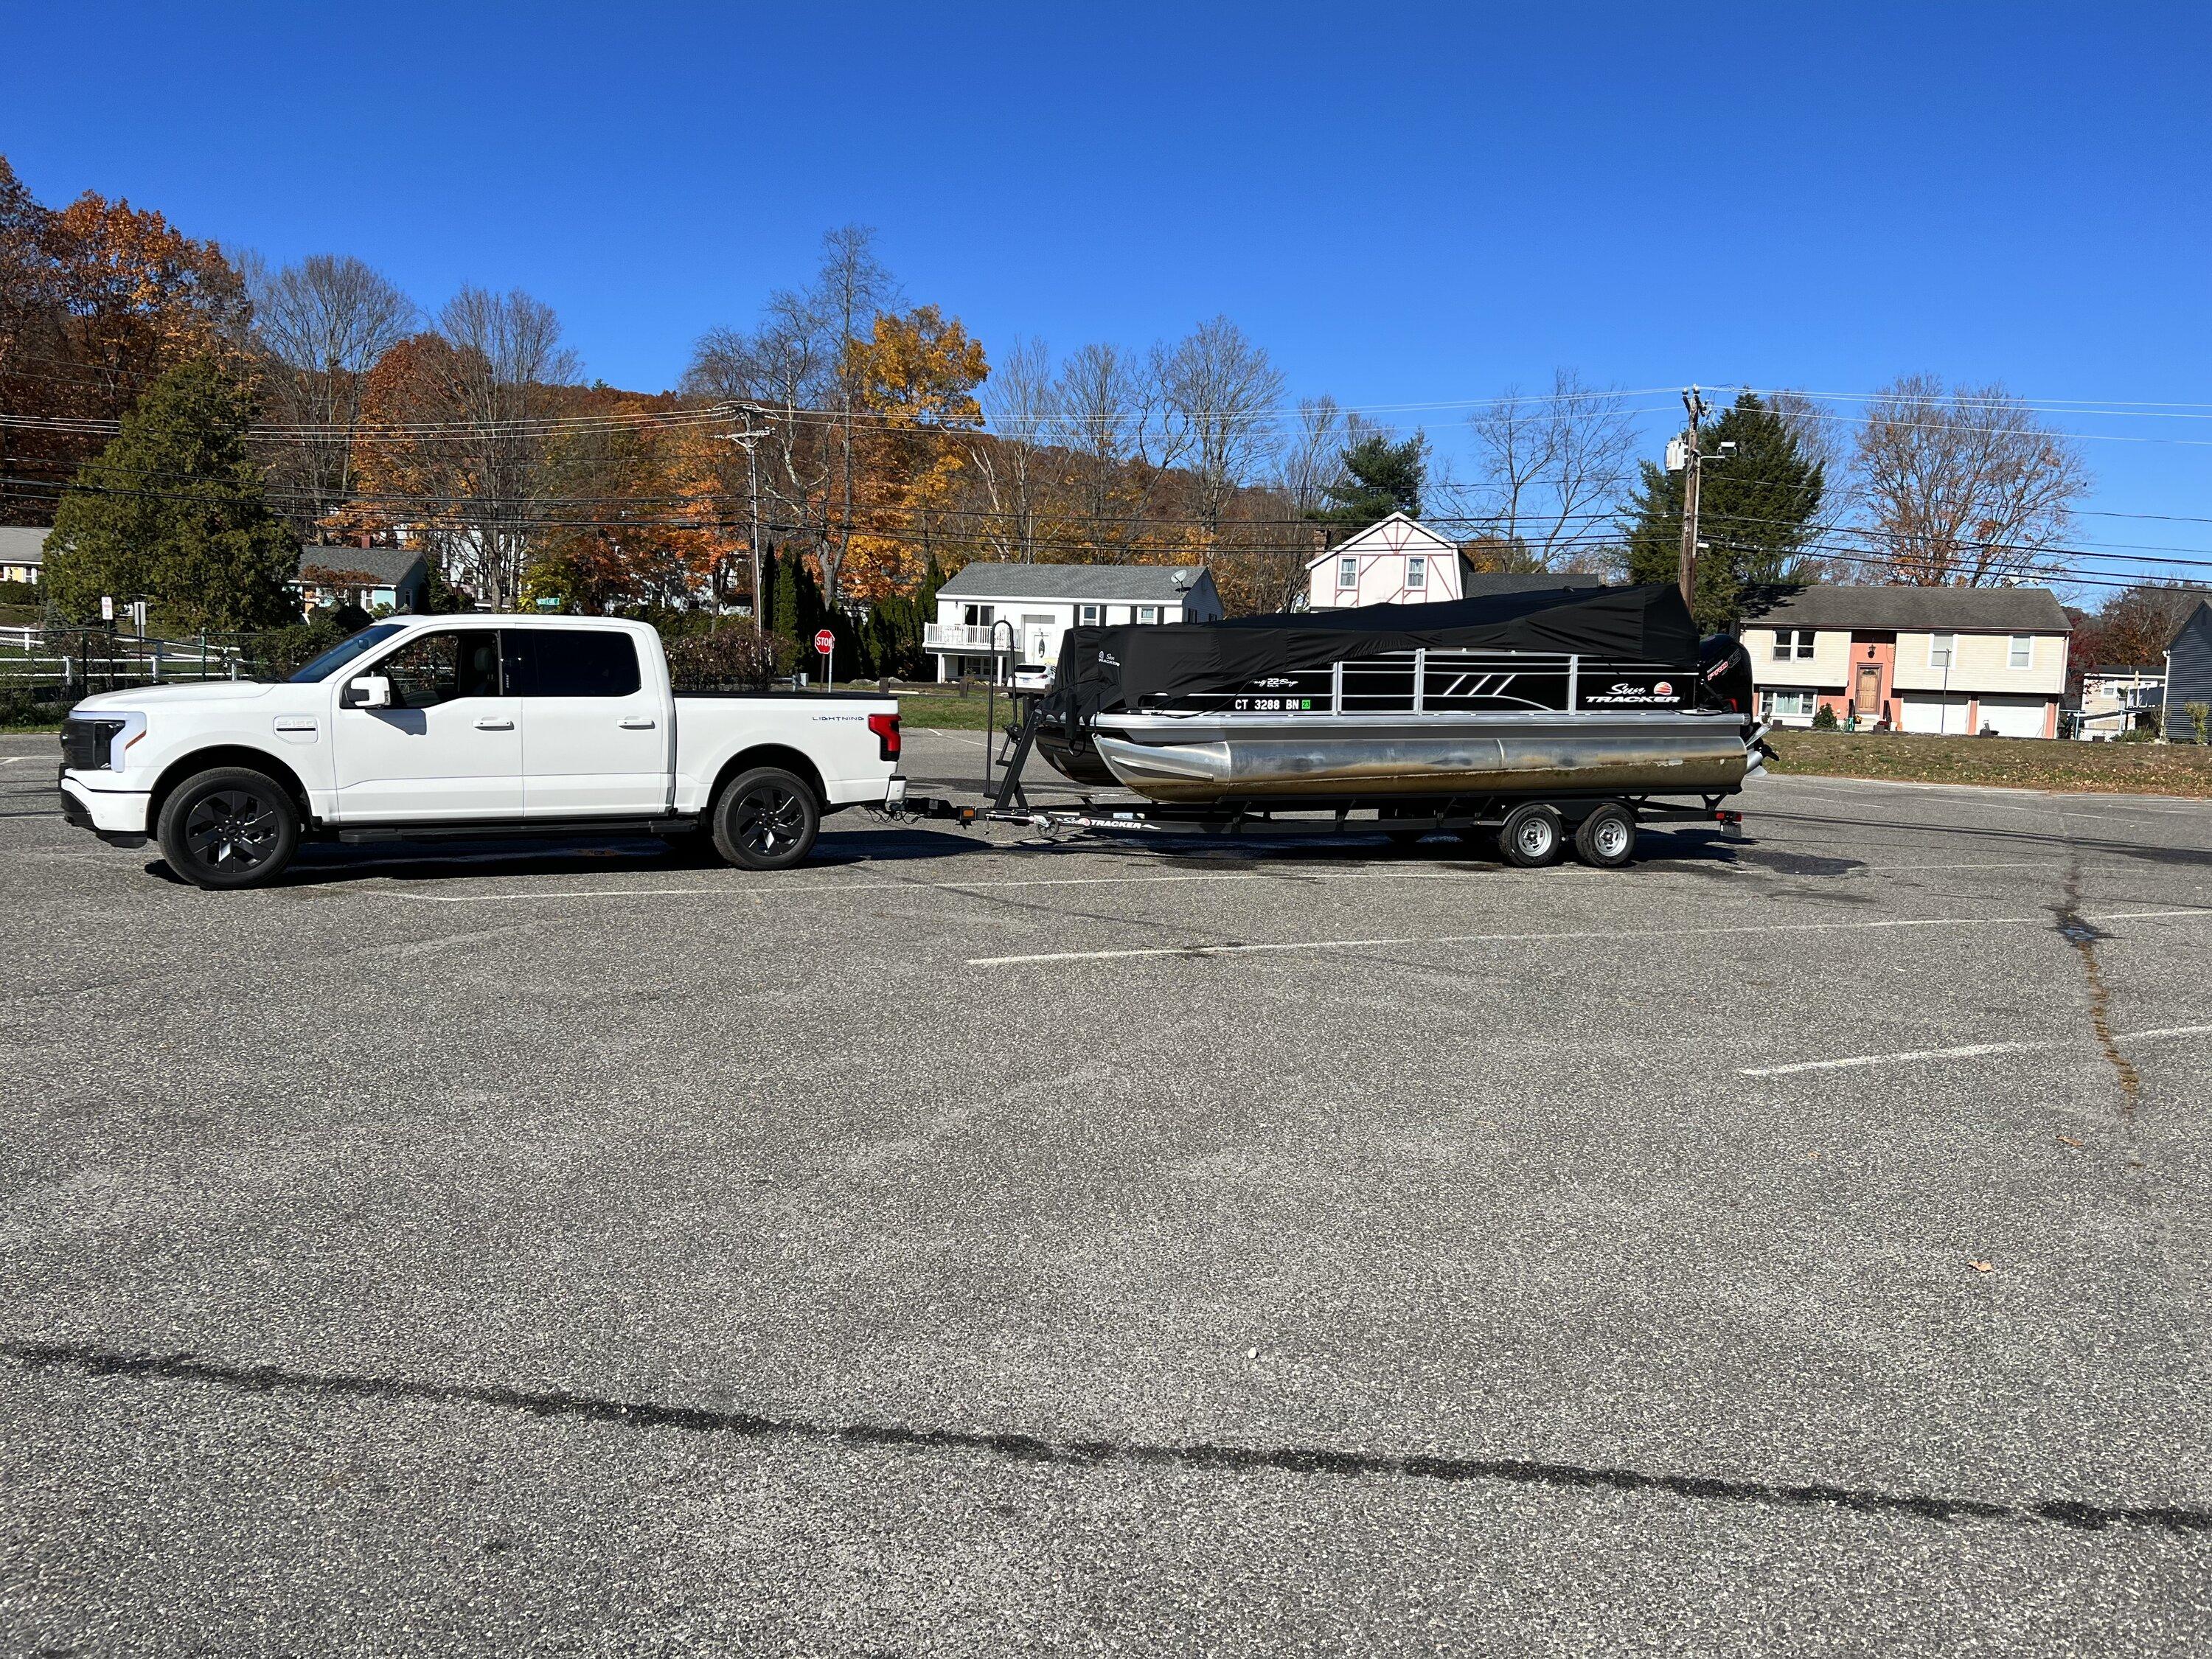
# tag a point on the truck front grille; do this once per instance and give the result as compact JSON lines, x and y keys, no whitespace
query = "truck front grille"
{"x":87,"y":745}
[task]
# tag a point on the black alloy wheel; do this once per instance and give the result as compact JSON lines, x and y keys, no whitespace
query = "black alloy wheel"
{"x":767,"y":820}
{"x":229,"y":828}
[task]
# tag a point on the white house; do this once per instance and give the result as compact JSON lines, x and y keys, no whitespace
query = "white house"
{"x":989,"y":613}
{"x":1396,"y":561}
{"x":1963,"y":660}
{"x":2115,"y":700}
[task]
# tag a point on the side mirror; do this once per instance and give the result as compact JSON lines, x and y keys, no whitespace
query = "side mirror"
{"x":368,"y":691}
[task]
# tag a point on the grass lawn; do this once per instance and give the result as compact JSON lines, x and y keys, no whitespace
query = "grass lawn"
{"x":2119,"y":768}
{"x":948,"y":711}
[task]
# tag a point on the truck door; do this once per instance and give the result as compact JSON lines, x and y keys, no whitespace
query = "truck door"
{"x":450,"y":746}
{"x":595,"y":743}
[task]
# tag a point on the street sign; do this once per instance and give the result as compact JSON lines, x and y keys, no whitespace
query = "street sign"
{"x":825,"y":642}
{"x":107,"y":607}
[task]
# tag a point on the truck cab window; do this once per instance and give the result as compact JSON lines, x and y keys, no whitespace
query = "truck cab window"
{"x":571,"y":662}
{"x":434,"y":668}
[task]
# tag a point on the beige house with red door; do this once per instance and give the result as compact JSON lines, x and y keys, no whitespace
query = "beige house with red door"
{"x":1961,"y":660}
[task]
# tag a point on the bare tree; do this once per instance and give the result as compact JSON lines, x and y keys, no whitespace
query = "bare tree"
{"x":798,"y":371}
{"x":1108,"y":420}
{"x":1021,"y":403}
{"x":1550,"y":468}
{"x":1964,"y":487}
{"x":323,"y":322}
{"x":1312,"y":455}
{"x":1220,"y":392}
{"x":492,"y":390}
{"x":851,"y":289}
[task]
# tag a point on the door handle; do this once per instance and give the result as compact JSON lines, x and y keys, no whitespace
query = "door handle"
{"x":493,"y":724}
{"x":637,"y":723}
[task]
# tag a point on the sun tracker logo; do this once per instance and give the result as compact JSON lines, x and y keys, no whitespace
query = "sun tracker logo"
{"x":1662,"y":690}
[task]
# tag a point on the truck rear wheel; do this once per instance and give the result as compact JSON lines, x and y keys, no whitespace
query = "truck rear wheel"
{"x":767,"y":819}
{"x":228,"y":827}
{"x":1607,"y":838}
{"x":1531,"y":836}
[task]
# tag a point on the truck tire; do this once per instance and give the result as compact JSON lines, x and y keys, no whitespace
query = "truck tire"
{"x":766,"y":819}
{"x":1607,"y":838}
{"x":1531,"y":836}
{"x":228,"y":828}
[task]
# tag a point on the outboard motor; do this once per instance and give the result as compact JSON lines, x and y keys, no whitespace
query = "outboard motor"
{"x":1724,"y":671}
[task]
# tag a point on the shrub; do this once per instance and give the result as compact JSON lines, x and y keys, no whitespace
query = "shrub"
{"x":2200,"y":716}
{"x":22,"y":593}
{"x":732,"y":657}
{"x":1824,"y":718}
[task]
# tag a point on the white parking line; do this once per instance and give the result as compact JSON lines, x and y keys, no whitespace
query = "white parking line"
{"x":815,"y":888}
{"x":1550,"y":938}
{"x":1908,"y":1056}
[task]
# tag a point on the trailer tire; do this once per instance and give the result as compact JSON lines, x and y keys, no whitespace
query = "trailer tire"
{"x":767,"y":819}
{"x":228,"y":828}
{"x":1532,"y":836}
{"x":1607,"y":839}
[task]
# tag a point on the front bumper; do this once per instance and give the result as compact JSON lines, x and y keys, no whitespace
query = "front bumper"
{"x":114,"y":815}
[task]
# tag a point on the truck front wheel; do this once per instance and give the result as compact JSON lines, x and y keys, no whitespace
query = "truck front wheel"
{"x":228,"y":827}
{"x":765,"y":820}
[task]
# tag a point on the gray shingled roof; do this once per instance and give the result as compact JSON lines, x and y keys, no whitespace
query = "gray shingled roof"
{"x":1943,"y":610}
{"x":1480,"y":584}
{"x":385,"y":567}
{"x":19,"y":545}
{"x":1118,"y":584}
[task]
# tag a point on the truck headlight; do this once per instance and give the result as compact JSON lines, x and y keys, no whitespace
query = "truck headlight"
{"x":96,"y":742}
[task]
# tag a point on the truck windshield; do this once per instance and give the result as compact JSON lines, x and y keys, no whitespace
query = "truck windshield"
{"x":339,"y":656}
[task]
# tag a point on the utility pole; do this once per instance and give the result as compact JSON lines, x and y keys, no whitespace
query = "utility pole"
{"x":749,"y":440}
{"x":1691,"y":461}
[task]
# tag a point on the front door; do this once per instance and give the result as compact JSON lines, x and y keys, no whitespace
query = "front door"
{"x":1866,"y":700}
{"x":449,"y":747}
{"x":595,"y":742}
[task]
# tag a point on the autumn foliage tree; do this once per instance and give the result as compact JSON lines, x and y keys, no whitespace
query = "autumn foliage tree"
{"x":97,"y":300}
{"x":916,"y":376}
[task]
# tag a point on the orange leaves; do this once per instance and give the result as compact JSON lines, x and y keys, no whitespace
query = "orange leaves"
{"x":914,"y":378}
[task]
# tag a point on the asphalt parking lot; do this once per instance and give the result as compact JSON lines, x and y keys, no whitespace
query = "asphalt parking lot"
{"x":1795,"y":1242}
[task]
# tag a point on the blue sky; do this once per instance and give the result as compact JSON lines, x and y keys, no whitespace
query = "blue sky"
{"x":1404,"y":204}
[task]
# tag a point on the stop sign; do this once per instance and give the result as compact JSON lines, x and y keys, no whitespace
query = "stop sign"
{"x":825,"y":642}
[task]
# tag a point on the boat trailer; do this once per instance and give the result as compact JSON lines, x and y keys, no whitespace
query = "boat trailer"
{"x":1405,"y":821}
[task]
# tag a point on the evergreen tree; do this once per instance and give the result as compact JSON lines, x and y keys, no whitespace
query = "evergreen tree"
{"x":1756,"y":513}
{"x":1380,"y":478}
{"x":173,"y":510}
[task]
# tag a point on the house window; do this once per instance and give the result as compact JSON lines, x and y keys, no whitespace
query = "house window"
{"x":1148,"y":613}
{"x":1791,"y":704}
{"x":1942,"y":649}
{"x":1793,"y":644}
{"x":1347,"y":572}
{"x":1416,"y":571}
{"x":2022,"y":655}
{"x":1086,"y":615}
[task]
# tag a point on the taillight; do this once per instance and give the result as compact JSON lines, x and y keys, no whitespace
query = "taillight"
{"x":886,"y":728}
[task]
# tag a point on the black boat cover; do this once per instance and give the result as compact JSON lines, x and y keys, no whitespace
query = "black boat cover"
{"x":1107,"y":670}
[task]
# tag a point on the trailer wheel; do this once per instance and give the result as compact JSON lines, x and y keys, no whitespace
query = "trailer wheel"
{"x":765,"y":820}
{"x":1607,"y":838}
{"x":1531,"y":836}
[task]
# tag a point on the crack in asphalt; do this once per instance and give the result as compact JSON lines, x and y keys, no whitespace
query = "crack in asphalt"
{"x":89,"y":1360}
{"x":2083,"y":935}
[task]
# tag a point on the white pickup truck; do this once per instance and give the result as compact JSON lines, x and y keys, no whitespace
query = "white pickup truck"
{"x":431,"y":726}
